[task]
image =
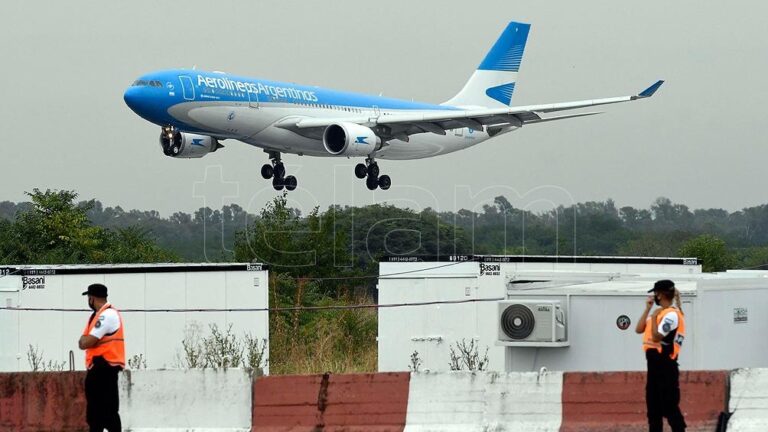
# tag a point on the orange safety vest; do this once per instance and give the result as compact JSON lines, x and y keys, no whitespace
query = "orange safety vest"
{"x":111,"y":347}
{"x":648,"y":342}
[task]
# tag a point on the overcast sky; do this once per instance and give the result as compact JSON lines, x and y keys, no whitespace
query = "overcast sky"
{"x":700,"y":140}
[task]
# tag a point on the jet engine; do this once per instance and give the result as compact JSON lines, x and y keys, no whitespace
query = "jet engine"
{"x":186,"y":145}
{"x":350,"y":139}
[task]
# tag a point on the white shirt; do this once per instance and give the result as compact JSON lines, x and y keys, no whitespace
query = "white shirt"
{"x":669,"y":322}
{"x":109,"y":322}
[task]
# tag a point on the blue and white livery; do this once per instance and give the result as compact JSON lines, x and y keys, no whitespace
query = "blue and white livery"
{"x":197,"y":110}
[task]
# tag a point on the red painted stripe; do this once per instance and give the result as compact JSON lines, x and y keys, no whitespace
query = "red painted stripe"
{"x":611,"y":401}
{"x":53,"y":401}
{"x":371,"y":402}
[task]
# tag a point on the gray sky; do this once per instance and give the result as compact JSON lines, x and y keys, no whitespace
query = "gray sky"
{"x":700,"y":140}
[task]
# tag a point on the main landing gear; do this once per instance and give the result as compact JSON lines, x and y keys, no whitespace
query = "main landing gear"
{"x":370,"y":172}
{"x":276,"y":172}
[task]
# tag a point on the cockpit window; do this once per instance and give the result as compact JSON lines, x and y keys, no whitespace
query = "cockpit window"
{"x":142,"y":83}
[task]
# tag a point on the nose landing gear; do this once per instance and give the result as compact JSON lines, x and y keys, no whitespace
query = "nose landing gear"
{"x":276,"y":172}
{"x":170,"y":141}
{"x":370,"y":172}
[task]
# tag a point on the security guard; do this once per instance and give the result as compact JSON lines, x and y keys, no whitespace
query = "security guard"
{"x":104,"y":345}
{"x":663,"y":335}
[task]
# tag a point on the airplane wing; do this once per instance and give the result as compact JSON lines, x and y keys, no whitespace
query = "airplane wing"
{"x":401,"y":126}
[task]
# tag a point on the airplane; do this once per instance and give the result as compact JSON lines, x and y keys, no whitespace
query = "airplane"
{"x":196,"y":110}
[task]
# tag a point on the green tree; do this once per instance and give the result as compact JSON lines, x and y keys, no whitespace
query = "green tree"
{"x":133,"y":245}
{"x":301,"y":247}
{"x":753,"y":258}
{"x":654,"y":244}
{"x":712,"y":250}
{"x":55,"y":230}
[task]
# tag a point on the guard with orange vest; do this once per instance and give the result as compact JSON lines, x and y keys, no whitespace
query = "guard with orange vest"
{"x":104,"y":344}
{"x":663,"y":336}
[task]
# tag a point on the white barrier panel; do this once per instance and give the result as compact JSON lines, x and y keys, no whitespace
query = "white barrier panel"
{"x":485,"y":401}
{"x":749,"y":401}
{"x":180,"y":400}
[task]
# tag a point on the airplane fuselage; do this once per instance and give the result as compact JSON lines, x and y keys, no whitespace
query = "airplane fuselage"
{"x":197,"y":110}
{"x":248,"y":109}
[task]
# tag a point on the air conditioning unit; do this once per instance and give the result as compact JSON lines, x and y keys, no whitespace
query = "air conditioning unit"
{"x":530,"y":321}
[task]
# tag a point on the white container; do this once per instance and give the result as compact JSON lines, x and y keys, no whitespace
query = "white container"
{"x":156,"y":335}
{"x":726,"y":313}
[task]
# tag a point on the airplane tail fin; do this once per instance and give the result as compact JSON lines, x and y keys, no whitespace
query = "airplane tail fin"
{"x":493,"y":83}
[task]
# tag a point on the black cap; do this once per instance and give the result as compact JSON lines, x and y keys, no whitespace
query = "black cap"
{"x":96,"y":290}
{"x":664,"y":285}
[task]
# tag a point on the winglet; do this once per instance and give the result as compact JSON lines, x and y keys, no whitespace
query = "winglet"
{"x":650,"y":90}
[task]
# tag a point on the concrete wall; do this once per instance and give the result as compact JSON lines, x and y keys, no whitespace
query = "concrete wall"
{"x":149,"y":400}
{"x":598,"y":401}
{"x":194,"y":400}
{"x":52,"y":401}
{"x":169,"y":400}
{"x":749,"y":401}
{"x":370,"y":402}
{"x":465,"y":401}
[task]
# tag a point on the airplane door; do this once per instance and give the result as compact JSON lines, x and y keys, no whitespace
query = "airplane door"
{"x":187,"y":87}
{"x":253,"y":99}
{"x":375,"y":114}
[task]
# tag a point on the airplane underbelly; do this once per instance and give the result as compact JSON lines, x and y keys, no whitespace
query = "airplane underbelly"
{"x":428,"y":145}
{"x":287,"y":141}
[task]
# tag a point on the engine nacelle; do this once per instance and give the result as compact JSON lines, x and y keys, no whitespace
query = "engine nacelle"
{"x":350,"y":139}
{"x":186,"y":145}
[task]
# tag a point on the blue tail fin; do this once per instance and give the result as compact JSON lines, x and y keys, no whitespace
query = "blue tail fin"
{"x":507,"y":52}
{"x":493,"y":82}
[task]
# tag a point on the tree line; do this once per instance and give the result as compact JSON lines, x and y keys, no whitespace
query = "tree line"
{"x":87,"y":231}
{"x":330,"y":257}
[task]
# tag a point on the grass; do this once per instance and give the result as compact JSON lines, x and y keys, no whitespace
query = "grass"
{"x":310,"y":342}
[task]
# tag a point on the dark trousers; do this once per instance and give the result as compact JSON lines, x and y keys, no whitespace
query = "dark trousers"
{"x":662,"y":393}
{"x":102,"y":397}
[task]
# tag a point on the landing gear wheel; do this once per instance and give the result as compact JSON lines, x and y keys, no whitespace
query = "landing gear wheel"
{"x":278,"y":183}
{"x":372,"y":182}
{"x":279,"y":170}
{"x":385,"y":182}
{"x":267,"y":171}
{"x":373,"y":170}
{"x":361,"y":171}
{"x":290,"y":182}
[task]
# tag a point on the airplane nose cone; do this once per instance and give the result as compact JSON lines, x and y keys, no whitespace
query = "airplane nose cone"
{"x":133,"y":98}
